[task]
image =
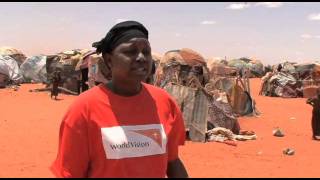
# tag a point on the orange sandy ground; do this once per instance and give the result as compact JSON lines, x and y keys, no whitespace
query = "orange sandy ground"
{"x":29,"y":127}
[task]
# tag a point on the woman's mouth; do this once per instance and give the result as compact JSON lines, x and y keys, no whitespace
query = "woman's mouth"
{"x":140,"y":70}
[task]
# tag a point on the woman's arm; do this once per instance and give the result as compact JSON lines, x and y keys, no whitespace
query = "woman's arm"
{"x":176,"y":169}
{"x":73,"y":151}
{"x":176,"y":138}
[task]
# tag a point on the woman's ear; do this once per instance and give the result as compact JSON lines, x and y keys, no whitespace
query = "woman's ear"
{"x":107,"y":60}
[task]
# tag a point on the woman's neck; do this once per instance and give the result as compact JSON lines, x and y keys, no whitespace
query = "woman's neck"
{"x":124,"y":89}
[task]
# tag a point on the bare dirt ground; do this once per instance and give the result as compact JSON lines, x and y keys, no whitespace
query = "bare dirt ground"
{"x":29,"y":127}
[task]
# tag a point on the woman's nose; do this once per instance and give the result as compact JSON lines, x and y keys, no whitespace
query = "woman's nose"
{"x":141,"y":57}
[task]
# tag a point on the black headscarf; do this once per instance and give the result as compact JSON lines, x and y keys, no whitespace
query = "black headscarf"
{"x":120,"y":33}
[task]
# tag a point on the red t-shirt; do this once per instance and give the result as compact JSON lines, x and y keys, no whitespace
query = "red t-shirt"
{"x":107,"y":135}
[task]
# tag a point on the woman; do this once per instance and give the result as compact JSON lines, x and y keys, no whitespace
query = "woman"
{"x":315,"y":122}
{"x":125,"y":128}
{"x":55,"y":84}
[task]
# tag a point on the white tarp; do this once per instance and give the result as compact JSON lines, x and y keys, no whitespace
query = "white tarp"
{"x":34,"y":68}
{"x":283,"y":79}
{"x":10,"y":67}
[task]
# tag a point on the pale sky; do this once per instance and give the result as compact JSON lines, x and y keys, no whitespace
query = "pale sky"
{"x":271,"y":32}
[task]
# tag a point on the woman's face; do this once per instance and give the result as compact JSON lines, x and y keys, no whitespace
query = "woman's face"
{"x":130,"y":61}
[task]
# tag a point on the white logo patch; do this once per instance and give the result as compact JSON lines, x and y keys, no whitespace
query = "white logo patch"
{"x":134,"y":141}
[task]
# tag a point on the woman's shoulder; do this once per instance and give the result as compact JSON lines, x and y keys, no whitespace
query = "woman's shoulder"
{"x":160,"y":94}
{"x":154,"y":90}
{"x":88,"y":96}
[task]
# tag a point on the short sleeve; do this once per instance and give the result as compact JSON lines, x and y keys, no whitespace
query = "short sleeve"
{"x":73,"y":155}
{"x":177,"y":134}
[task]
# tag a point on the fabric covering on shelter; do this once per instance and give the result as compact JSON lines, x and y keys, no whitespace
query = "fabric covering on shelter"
{"x":34,"y":69}
{"x":220,"y":114}
{"x":10,"y":68}
{"x":191,"y":57}
{"x":83,"y":62}
{"x":98,"y":72}
{"x":183,"y":56}
{"x":182,"y":67}
{"x":308,"y":71}
{"x":291,"y":80}
{"x":287,"y":67}
{"x":66,"y":63}
{"x":280,"y":84}
{"x":239,"y":99}
{"x":221,"y":70}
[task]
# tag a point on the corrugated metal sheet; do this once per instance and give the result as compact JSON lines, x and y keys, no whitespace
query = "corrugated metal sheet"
{"x":198,"y":126}
{"x":193,"y":104}
{"x":184,"y":96}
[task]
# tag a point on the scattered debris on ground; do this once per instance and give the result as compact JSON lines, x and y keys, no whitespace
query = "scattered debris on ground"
{"x":288,"y":151}
{"x":278,"y":132}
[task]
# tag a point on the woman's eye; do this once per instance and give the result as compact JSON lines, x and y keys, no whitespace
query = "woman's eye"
{"x":131,"y":52}
{"x":146,"y":52}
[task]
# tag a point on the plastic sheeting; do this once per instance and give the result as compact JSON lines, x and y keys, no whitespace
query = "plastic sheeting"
{"x":287,"y":67}
{"x":14,"y":53}
{"x":281,"y":84}
{"x":10,"y":68}
{"x":34,"y":69}
{"x":283,"y":79}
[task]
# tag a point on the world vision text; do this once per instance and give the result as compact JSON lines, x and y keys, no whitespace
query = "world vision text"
{"x":130,"y":145}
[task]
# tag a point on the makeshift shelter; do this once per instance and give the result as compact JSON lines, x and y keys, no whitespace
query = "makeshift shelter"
{"x":237,"y":94}
{"x":83,"y":68}
{"x":308,"y":71}
{"x":156,"y":63}
{"x":220,"y":68}
{"x":202,"y":111}
{"x":182,"y":67}
{"x":14,"y":53}
{"x":286,"y":67}
{"x":234,"y":83}
{"x":281,"y":84}
{"x":66,"y":63}
{"x":217,"y":61}
{"x":9,"y":70}
{"x":267,"y":68}
{"x":97,"y":70}
{"x":183,"y":73}
{"x":255,"y":66}
{"x":33,"y":69}
{"x":309,"y":75}
{"x":290,"y":79}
